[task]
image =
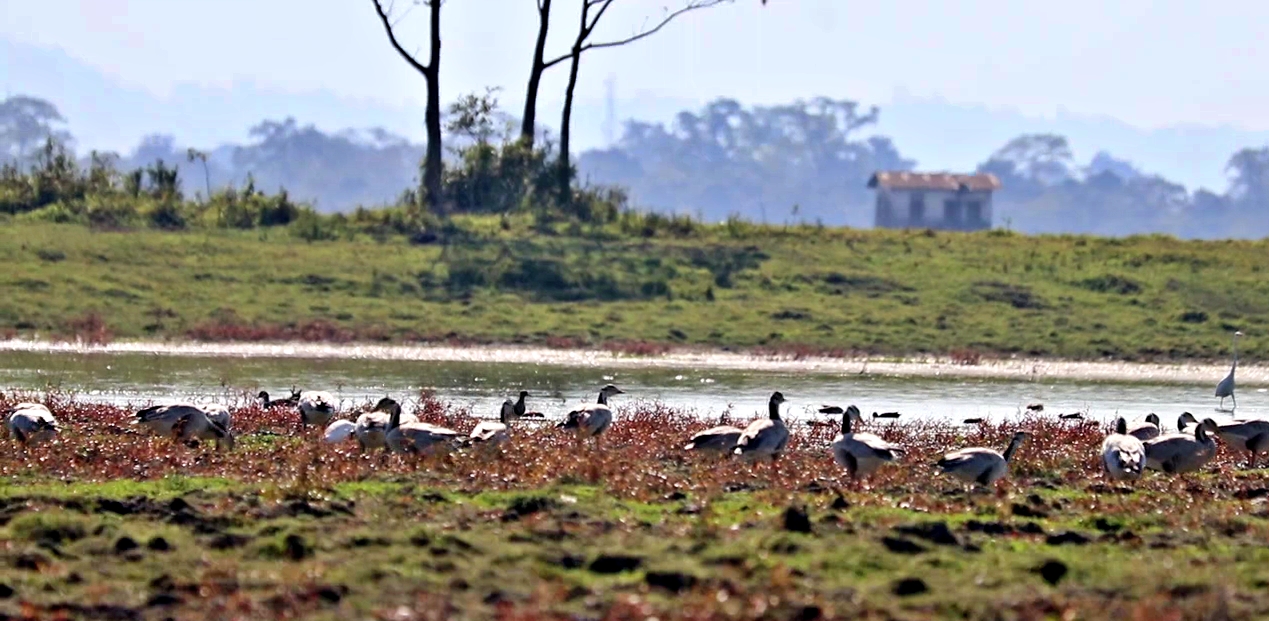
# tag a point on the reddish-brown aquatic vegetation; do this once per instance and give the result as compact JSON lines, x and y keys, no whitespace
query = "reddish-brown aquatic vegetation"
{"x":640,"y":456}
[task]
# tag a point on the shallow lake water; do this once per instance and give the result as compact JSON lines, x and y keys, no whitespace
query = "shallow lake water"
{"x":134,"y":379}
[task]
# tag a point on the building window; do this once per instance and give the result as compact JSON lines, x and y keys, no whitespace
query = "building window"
{"x":974,"y":212}
{"x":916,"y":207}
{"x":952,"y":211}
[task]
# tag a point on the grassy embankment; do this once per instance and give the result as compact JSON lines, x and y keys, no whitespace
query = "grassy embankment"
{"x":800,"y":289}
{"x":105,"y":523}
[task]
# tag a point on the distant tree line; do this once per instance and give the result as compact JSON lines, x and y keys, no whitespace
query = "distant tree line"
{"x":801,"y":162}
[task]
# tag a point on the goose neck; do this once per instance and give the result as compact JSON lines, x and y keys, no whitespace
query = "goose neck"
{"x":845,"y":423}
{"x":1013,"y":447}
{"x":773,"y":409}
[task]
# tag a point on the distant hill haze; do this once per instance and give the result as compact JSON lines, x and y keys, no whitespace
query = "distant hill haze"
{"x":1105,"y":176}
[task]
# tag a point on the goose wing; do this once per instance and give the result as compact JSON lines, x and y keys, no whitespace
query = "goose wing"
{"x":1143,"y":430}
{"x":339,"y":431}
{"x":720,"y":438}
{"x":1176,"y":452}
{"x":488,"y":431}
{"x":868,"y":445}
{"x":969,"y":461}
{"x":762,"y":436}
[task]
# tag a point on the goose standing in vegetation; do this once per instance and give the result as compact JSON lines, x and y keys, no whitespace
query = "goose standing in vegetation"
{"x":1146,"y":429}
{"x":1181,"y":452}
{"x":372,"y":427}
{"x":861,"y":454}
{"x":184,"y":422}
{"x":765,"y":437}
{"x":514,"y":410}
{"x":268,"y":404}
{"x":591,"y":420}
{"x":1226,"y":387}
{"x":719,"y":439}
{"x":413,"y":437}
{"x":31,"y":423}
{"x":1247,"y":435}
{"x":983,"y":466}
{"x":492,"y":433}
{"x":1123,"y":455}
{"x":317,"y":407}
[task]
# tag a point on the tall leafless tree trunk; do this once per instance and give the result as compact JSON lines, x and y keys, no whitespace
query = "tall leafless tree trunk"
{"x":432,"y":117}
{"x":581,"y":44}
{"x":528,"y":123}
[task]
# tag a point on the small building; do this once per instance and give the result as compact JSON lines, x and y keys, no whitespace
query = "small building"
{"x":943,"y":201}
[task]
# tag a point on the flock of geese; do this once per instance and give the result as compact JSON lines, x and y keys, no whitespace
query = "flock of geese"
{"x":1126,"y":453}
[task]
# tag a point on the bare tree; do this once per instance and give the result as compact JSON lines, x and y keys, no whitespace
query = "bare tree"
{"x":592,"y":12}
{"x":528,"y":121}
{"x":431,"y":73}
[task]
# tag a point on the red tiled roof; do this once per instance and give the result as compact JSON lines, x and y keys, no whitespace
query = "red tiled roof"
{"x":951,"y":182}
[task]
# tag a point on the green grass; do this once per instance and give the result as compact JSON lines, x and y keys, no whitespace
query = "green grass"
{"x":359,"y":551}
{"x":800,"y":289}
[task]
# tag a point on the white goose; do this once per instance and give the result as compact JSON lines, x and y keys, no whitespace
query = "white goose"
{"x":31,"y":423}
{"x":983,"y":466}
{"x":592,"y":420}
{"x":765,"y":437}
{"x":316,"y":407}
{"x":414,"y":437}
{"x":860,"y":454}
{"x":1123,"y":455}
{"x":1182,"y":452}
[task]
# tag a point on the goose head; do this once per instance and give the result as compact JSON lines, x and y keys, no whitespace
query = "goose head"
{"x":263,"y":397}
{"x":388,"y":406}
{"x":1121,"y":425}
{"x":524,"y":394}
{"x":1184,"y":420}
{"x":1153,"y":419}
{"x":1208,"y":426}
{"x":608,"y":391}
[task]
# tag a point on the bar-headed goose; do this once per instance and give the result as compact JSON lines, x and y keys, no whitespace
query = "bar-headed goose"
{"x":413,"y":437}
{"x":720,"y":439}
{"x":1182,"y":452}
{"x":184,"y":422}
{"x":591,"y":420}
{"x":1123,"y":455}
{"x":31,"y":423}
{"x":1251,"y":435}
{"x":372,"y":427}
{"x":1146,"y":429}
{"x":765,"y":437}
{"x":861,"y":454}
{"x":983,"y":466}
{"x":316,"y":407}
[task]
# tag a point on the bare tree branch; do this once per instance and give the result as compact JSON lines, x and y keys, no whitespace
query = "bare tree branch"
{"x":392,"y":38}
{"x":586,"y":29}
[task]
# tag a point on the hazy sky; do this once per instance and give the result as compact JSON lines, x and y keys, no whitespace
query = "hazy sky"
{"x":1148,"y":63}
